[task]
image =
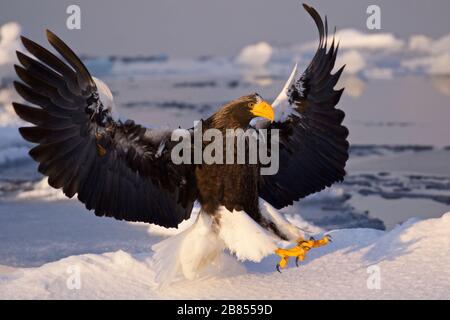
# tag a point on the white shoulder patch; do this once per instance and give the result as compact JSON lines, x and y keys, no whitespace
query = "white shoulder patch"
{"x":106,"y":96}
{"x":281,"y":105}
{"x":195,"y":253}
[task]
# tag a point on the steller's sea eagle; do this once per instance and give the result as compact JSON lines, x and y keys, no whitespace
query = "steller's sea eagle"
{"x":123,"y":170}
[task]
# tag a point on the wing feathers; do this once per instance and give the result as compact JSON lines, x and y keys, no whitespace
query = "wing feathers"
{"x":84,"y":78}
{"x":110,"y":165}
{"x":51,"y":60}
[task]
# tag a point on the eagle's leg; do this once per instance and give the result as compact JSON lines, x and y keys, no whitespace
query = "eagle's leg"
{"x":300,"y":250}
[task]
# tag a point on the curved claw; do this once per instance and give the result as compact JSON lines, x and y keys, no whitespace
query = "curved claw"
{"x":312,"y":239}
{"x":296,"y":262}
{"x":278,"y":268}
{"x":329,"y":237}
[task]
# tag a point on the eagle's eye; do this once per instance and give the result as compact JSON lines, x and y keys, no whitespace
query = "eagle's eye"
{"x":251,"y":105}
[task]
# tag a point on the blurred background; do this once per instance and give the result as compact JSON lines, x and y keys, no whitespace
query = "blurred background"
{"x":169,"y":63}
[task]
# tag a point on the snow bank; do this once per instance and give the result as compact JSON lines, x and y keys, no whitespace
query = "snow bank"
{"x":375,"y":55}
{"x":354,"y":39}
{"x":43,"y":191}
{"x":359,"y":264}
{"x":12,"y":146}
{"x":9,"y":42}
{"x":371,"y":55}
{"x":354,"y":61}
{"x":436,"y":65}
{"x":255,"y":55}
{"x":420,"y":43}
{"x":329,"y":194}
{"x":7,"y":115}
{"x":423,"y":43}
{"x":385,"y":55}
{"x":433,"y":56}
{"x":12,"y":154}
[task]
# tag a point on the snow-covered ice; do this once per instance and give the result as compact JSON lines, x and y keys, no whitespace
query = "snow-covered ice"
{"x":255,"y":55}
{"x":9,"y":42}
{"x":411,"y":262}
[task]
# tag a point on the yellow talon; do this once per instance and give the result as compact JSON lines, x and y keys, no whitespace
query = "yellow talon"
{"x":300,"y":250}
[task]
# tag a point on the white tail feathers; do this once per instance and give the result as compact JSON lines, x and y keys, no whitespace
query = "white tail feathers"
{"x":198,"y":252}
{"x":195,"y":253}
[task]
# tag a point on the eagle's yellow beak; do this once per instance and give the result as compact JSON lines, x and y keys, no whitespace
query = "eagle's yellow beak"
{"x":263,"y":109}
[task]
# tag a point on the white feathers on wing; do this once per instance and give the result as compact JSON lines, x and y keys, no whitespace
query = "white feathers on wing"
{"x":281,"y":104}
{"x":106,"y":96}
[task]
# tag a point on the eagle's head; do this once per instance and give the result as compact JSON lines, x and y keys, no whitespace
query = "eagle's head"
{"x":239,"y":112}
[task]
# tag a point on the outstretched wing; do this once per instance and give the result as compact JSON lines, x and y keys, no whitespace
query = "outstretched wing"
{"x":121,"y":170}
{"x":313,"y":141}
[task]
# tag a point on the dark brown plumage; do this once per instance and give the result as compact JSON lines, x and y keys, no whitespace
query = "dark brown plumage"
{"x":233,"y":186}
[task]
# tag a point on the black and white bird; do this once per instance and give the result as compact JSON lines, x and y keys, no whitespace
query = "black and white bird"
{"x":123,"y":170}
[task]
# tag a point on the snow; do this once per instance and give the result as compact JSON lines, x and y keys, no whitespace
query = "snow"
{"x":11,"y":154}
{"x":436,"y":65}
{"x":353,"y":60}
{"x":329,"y":194}
{"x":7,"y":115}
{"x":41,"y":190}
{"x":12,"y":146}
{"x":420,"y":43}
{"x":355,"y":39}
{"x":384,"y":55}
{"x":435,"y":55}
{"x":346,"y":269}
{"x":427,"y":44}
{"x":9,"y":42}
{"x":255,"y":55}
{"x":354,"y":86}
{"x":379,"y":73}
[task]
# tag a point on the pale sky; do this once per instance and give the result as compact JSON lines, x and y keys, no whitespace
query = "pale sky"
{"x":187,"y":28}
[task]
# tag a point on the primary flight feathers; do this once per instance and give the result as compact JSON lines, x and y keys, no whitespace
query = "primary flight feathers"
{"x":110,"y":165}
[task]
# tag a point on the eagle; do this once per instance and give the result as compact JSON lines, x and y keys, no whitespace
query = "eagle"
{"x":123,"y":170}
